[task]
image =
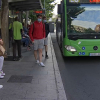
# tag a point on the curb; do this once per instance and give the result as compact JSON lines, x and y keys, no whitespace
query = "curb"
{"x":59,"y":84}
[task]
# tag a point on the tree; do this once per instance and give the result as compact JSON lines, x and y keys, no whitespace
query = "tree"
{"x":89,"y":30}
{"x":32,"y":16}
{"x":49,"y":6}
{"x":4,"y":23}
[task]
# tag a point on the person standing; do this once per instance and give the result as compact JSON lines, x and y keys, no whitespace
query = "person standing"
{"x":2,"y":74}
{"x":17,"y":30}
{"x":46,"y":39}
{"x":37,"y":36}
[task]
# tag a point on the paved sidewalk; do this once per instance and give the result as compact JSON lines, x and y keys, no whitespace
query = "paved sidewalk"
{"x":26,"y":80}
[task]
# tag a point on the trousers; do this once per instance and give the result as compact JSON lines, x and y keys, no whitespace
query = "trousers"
{"x":1,"y":62}
{"x":17,"y":44}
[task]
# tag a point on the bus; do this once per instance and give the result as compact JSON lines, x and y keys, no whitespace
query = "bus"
{"x":78,"y":27}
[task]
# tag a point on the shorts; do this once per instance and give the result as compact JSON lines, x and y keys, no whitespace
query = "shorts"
{"x":46,"y":41}
{"x":38,"y":44}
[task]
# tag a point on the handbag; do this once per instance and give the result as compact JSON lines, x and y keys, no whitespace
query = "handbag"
{"x":2,"y":50}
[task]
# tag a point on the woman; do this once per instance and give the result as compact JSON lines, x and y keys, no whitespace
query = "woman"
{"x":1,"y":65}
{"x":1,"y":62}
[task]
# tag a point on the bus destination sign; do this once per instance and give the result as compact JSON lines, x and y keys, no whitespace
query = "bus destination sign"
{"x":84,"y":1}
{"x":74,"y":1}
{"x":93,"y":1}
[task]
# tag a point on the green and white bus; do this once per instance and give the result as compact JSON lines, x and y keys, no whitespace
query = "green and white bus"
{"x":78,"y":27}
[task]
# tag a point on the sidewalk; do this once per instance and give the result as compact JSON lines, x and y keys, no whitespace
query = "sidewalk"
{"x":26,"y":80}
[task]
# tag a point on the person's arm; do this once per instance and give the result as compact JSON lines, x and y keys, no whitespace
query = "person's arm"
{"x":1,"y":42}
{"x":30,"y":32}
{"x":21,"y":28}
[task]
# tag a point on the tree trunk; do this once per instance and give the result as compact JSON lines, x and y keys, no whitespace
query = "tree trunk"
{"x":4,"y":24}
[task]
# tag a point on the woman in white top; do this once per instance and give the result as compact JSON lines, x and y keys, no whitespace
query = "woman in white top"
{"x":1,"y":64}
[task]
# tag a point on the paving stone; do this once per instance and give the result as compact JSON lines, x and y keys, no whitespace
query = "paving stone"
{"x":20,"y":79}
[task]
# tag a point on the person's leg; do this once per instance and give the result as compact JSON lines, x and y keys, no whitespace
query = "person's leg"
{"x":27,"y":43}
{"x":14,"y":50}
{"x":19,"y":48}
{"x":1,"y":62}
{"x":40,"y":55}
{"x":35,"y":54}
{"x":36,"y":50}
{"x":1,"y":66}
{"x":46,"y":47}
{"x":40,"y":48}
{"x":46,"y":50}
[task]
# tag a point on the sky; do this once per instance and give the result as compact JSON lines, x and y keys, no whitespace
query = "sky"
{"x":55,"y":9}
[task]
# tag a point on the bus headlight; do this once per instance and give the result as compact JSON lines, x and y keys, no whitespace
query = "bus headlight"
{"x":70,"y":48}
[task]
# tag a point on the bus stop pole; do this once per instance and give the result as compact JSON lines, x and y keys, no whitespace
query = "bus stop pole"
{"x":44,"y":7}
{"x":44,"y":4}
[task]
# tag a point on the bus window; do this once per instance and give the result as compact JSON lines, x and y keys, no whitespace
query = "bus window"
{"x":83,"y":19}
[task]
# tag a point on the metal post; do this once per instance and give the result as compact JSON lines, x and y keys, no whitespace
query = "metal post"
{"x":44,"y":4}
{"x":44,"y":8}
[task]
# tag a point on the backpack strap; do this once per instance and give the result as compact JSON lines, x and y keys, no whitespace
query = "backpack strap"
{"x":33,"y":28}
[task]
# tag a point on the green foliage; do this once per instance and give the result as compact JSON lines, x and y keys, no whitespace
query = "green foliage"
{"x":32,"y":16}
{"x":49,"y":6}
{"x":24,"y":15}
{"x":54,"y":19}
{"x":89,"y":30}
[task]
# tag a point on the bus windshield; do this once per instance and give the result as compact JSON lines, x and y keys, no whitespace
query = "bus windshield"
{"x":83,"y":20}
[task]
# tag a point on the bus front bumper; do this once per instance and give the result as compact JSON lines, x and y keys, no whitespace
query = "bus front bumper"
{"x":81,"y":53}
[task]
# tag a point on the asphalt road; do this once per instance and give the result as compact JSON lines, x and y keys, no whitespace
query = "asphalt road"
{"x":80,"y":75}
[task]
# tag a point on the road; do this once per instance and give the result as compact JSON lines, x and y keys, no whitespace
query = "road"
{"x":80,"y":75}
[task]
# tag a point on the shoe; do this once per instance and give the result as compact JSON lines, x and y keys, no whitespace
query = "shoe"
{"x":41,"y":64}
{"x":2,"y":73}
{"x":14,"y":59}
{"x":20,"y":57}
{"x":28,"y":49}
{"x":37,"y":61}
{"x":1,"y":77}
{"x":1,"y":86}
{"x":46,"y":57}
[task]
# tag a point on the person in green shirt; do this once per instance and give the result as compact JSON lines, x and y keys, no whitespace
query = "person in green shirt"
{"x":17,"y":30}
